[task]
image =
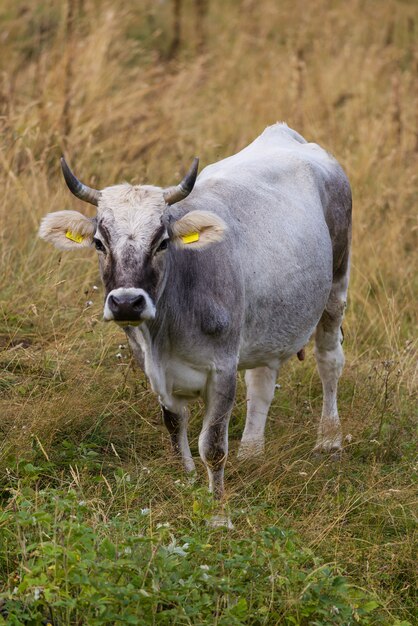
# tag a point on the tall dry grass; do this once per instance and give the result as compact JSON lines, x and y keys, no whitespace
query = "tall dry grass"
{"x":107,"y":83}
{"x":93,"y":80}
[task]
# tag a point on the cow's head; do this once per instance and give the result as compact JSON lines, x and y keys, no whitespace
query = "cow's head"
{"x":132,"y":231}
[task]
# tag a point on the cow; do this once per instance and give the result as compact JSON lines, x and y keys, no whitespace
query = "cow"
{"x":233,"y":269}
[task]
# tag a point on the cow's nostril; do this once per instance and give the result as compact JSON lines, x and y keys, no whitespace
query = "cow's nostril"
{"x":113,"y":302}
{"x":139,"y":302}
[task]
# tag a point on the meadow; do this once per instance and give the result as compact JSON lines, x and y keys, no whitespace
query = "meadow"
{"x":98,"y":524}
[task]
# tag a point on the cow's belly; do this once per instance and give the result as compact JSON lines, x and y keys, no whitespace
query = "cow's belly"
{"x":271,"y":352}
{"x":272,"y":335}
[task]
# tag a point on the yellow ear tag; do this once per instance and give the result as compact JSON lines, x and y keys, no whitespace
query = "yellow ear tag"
{"x":190,"y":238}
{"x":74,"y":237}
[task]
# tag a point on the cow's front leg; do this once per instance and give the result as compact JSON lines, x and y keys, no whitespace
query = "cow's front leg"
{"x":213,"y":439}
{"x":176,"y":424}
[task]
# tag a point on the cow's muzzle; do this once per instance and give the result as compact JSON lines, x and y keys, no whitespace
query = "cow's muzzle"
{"x":128,"y":306}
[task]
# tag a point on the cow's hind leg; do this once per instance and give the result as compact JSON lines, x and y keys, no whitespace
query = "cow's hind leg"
{"x":330,"y":361}
{"x":260,"y":391}
{"x":176,"y":425}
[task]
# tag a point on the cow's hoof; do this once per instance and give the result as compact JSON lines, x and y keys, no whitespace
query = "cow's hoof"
{"x":330,"y":447}
{"x":189,"y":465}
{"x":220,"y":521}
{"x":251,"y":449}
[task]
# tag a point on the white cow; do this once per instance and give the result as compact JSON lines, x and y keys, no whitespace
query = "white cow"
{"x":234,"y":270}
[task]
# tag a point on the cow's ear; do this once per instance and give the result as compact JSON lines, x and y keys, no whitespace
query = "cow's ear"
{"x":198,"y":229}
{"x":67,"y":230}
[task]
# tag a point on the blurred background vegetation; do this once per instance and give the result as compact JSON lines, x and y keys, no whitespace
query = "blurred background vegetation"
{"x":132,"y":91}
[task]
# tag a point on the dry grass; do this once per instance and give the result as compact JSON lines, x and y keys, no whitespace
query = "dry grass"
{"x":101,"y":81}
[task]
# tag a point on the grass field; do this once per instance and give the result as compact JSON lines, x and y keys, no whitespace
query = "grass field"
{"x":98,"y":525}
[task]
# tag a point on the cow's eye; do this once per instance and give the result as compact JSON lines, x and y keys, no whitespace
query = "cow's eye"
{"x":163,"y":245}
{"x":99,"y":245}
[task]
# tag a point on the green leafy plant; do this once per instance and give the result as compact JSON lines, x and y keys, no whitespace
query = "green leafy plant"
{"x":133,"y":571}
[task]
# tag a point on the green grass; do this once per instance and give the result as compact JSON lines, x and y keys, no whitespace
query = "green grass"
{"x":78,"y":558}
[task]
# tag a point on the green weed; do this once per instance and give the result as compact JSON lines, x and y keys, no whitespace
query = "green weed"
{"x":62,"y":568}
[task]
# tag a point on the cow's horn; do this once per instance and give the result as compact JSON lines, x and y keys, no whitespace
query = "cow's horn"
{"x":181,"y":191}
{"x":77,"y":187}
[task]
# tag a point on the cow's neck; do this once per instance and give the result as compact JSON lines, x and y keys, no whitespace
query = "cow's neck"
{"x":149,"y":353}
